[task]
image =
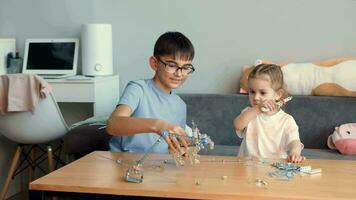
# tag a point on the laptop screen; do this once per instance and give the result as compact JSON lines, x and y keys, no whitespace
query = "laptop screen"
{"x":51,"y":56}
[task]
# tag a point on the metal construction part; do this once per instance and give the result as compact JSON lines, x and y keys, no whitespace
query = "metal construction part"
{"x":290,"y":170}
{"x":197,"y":141}
{"x":135,"y":173}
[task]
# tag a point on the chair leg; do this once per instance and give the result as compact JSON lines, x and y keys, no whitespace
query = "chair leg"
{"x":50,"y":159}
{"x":31,"y":173}
{"x":11,"y":172}
{"x":50,"y":163}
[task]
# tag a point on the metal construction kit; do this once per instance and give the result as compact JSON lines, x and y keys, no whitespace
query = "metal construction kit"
{"x":197,"y":141}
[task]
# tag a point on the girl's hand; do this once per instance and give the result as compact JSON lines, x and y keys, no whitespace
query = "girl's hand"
{"x":268,"y":105}
{"x":295,"y":158}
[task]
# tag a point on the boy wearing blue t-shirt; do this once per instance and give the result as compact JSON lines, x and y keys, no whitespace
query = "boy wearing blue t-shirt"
{"x":147,"y":108}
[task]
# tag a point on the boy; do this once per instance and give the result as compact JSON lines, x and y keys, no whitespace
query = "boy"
{"x":148,"y":108}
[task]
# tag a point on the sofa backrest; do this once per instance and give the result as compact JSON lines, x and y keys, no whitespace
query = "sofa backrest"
{"x":214,"y":115}
{"x":316,"y":116}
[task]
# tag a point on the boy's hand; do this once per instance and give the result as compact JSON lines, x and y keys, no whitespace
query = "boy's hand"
{"x":295,"y":158}
{"x":175,"y":143}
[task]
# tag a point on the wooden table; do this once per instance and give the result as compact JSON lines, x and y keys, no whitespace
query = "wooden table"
{"x":216,"y":177}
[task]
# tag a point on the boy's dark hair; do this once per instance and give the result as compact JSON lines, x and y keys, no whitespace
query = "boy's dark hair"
{"x":175,"y":44}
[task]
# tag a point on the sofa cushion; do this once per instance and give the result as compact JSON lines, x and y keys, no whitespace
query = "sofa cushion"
{"x":86,"y":138}
{"x":221,"y":150}
{"x":316,"y":116}
{"x":214,"y":115}
{"x":229,"y":150}
{"x":326,"y":154}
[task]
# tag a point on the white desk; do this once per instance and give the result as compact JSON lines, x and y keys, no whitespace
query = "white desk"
{"x":102,"y":92}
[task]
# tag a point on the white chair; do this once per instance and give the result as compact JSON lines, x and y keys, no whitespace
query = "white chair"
{"x":32,"y":130}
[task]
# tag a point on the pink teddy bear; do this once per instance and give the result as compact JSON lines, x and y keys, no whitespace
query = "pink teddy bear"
{"x":344,"y":139}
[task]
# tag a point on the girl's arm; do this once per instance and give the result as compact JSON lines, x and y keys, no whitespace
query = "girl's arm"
{"x":241,"y":121}
{"x":295,"y":149}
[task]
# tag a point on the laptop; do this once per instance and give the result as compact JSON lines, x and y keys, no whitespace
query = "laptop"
{"x":51,"y":58}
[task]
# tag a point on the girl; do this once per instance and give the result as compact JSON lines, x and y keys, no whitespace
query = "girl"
{"x":268,"y":131}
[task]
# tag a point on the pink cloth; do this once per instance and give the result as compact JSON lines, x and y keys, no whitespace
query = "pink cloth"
{"x":22,"y":92}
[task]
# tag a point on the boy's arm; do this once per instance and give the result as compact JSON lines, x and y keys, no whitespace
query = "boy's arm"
{"x":121,"y":123}
{"x":241,"y":121}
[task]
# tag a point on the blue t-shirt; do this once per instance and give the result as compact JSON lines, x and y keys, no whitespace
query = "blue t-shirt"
{"x":147,"y":100}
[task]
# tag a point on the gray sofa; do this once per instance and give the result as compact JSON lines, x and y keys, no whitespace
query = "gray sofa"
{"x":214,"y":113}
{"x":316,"y":117}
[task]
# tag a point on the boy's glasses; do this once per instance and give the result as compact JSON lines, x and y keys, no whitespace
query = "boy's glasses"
{"x":172,"y":67}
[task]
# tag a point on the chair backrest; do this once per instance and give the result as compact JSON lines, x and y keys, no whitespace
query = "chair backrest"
{"x":45,"y":124}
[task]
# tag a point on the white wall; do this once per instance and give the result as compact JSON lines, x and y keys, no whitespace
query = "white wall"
{"x":226,"y":33}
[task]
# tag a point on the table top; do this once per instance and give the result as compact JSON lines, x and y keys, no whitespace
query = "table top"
{"x":215,"y":177}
